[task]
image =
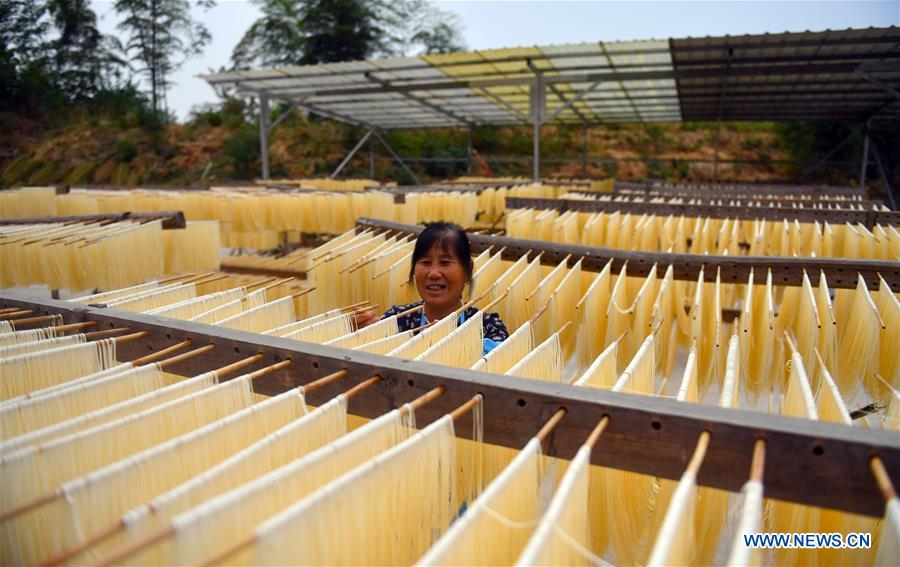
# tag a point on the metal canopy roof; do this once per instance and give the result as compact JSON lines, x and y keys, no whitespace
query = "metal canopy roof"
{"x":846,"y":75}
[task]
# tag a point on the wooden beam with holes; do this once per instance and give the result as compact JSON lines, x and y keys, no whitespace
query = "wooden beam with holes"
{"x":840,"y":272}
{"x":171,"y":219}
{"x":810,"y":462}
{"x":867,"y":218}
{"x":749,"y":189}
{"x":758,"y":201}
{"x":262,"y":271}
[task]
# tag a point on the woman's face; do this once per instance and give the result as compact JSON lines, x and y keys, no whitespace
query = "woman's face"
{"x":440,"y":277}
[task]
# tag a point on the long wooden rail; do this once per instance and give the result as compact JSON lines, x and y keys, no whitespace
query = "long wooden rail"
{"x":840,"y":272}
{"x":752,"y":201}
{"x":810,"y":462}
{"x":868,"y":218}
{"x":718,"y":189}
{"x":171,"y":219}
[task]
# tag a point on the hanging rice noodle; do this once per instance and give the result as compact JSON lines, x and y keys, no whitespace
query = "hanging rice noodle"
{"x":515,"y":348}
{"x":28,"y":372}
{"x":462,"y":348}
{"x":497,"y":526}
{"x":543,"y":363}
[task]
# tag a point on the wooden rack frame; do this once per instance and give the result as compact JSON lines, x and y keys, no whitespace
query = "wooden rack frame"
{"x":262,"y":271}
{"x":400,"y":193}
{"x":767,"y":201}
{"x":64,"y":188}
{"x":749,"y":189}
{"x":840,"y":272}
{"x":171,"y":219}
{"x":868,"y":218}
{"x":809,"y":462}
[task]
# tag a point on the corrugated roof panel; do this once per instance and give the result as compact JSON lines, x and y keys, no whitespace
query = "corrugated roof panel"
{"x":790,"y":70}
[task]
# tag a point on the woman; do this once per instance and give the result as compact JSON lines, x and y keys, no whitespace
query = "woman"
{"x":441,"y":267}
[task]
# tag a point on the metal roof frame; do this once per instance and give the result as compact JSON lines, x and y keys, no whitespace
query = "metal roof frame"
{"x":848,"y":75}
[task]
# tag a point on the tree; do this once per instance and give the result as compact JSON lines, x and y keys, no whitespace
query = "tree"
{"x":84,"y":60}
{"x":321,"y":31}
{"x":417,"y":27}
{"x":162,"y":36}
{"x":338,"y":30}
{"x":36,"y":68}
{"x":275,"y":39}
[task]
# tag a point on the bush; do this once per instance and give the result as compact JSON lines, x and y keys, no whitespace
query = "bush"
{"x":81,"y":173}
{"x":120,"y":175}
{"x":657,"y":169}
{"x":753,"y":144}
{"x":46,"y":174}
{"x":657,"y":137}
{"x":610,"y":169}
{"x":242,"y":153}
{"x":19,"y":169}
{"x":126,"y":150}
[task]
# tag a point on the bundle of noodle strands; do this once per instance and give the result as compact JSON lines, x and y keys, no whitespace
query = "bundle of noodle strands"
{"x":34,"y":472}
{"x":497,"y":526}
{"x":31,"y":371}
{"x":97,"y":501}
{"x":271,"y":474}
{"x":242,"y":509}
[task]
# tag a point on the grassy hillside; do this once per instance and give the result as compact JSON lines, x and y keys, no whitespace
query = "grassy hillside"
{"x":222,"y":145}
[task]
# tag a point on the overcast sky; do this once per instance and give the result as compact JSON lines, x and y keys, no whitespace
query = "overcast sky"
{"x":493,"y":24}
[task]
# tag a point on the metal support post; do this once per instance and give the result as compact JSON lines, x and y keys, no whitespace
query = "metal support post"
{"x":716,"y":158}
{"x":264,"y":134}
{"x":584,"y":137}
{"x":371,"y":159}
{"x":865,"y":159}
{"x":884,"y":178}
{"x":719,"y":115}
{"x":469,"y":150}
{"x":396,"y":157}
{"x":352,"y":153}
{"x":538,"y":103}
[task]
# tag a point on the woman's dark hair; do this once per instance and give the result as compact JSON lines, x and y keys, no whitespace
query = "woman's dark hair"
{"x":451,"y":238}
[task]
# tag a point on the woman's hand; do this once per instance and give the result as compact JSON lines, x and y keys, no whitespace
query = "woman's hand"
{"x":365,"y":318}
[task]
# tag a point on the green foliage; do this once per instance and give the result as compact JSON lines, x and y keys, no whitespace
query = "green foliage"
{"x":118,"y":101}
{"x":81,"y":173}
{"x":753,"y":144}
{"x":656,"y":137}
{"x":120,"y":174}
{"x":84,"y":60}
{"x":807,"y":142}
{"x":415,"y":27}
{"x":126,"y":150}
{"x":45,"y":174}
{"x":316,"y":31}
{"x":241,"y":152}
{"x":658,"y":169}
{"x":162,"y":36}
{"x":18,"y":169}
{"x":321,"y":31}
{"x":214,"y":119}
{"x":610,"y":169}
{"x":51,"y":54}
